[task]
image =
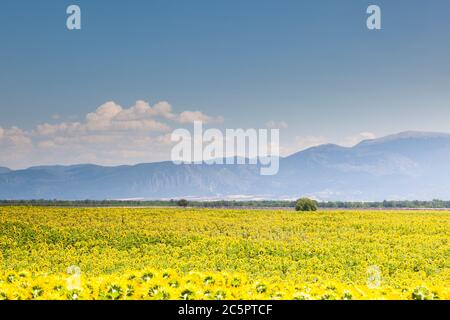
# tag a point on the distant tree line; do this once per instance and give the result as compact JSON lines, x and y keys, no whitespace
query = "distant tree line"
{"x":406,"y":204}
{"x":434,"y":204}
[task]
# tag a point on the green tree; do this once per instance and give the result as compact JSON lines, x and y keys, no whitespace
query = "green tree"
{"x":182,"y":203}
{"x":305,"y":204}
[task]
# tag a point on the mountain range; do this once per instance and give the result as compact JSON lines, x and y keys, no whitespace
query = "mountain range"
{"x":405,"y":166}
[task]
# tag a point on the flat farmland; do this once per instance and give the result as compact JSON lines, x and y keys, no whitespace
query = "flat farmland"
{"x":175,"y":253}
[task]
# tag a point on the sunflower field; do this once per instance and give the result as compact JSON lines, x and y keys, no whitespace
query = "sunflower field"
{"x":175,"y":253}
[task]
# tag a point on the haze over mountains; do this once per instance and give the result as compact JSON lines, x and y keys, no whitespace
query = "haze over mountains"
{"x":406,"y":166}
{"x":4,"y":170}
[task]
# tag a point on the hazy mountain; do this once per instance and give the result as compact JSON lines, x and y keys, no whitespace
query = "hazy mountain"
{"x":410,"y":165}
{"x":4,"y":170}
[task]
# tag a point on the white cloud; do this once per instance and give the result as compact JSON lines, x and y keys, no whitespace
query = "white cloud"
{"x":191,"y":116}
{"x":143,"y":110}
{"x":106,"y":111}
{"x":354,"y":140}
{"x":112,"y":117}
{"x":15,"y":146}
{"x":110,"y":135}
{"x":15,"y":137}
{"x":47,"y":129}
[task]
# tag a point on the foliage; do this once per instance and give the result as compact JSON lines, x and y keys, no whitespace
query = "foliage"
{"x":182,"y":203}
{"x":173,"y":253}
{"x":434,"y":204}
{"x":305,"y":204}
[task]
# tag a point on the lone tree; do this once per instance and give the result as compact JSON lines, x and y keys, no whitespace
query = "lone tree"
{"x":305,"y":204}
{"x":182,"y":203}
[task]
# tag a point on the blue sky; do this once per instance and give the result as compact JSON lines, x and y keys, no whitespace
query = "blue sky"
{"x":311,"y":65}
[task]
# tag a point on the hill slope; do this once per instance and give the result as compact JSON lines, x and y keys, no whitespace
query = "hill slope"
{"x":410,"y":165}
{"x":4,"y":170}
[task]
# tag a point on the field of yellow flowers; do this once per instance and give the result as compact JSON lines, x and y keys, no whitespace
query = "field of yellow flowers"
{"x":127,"y":253}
